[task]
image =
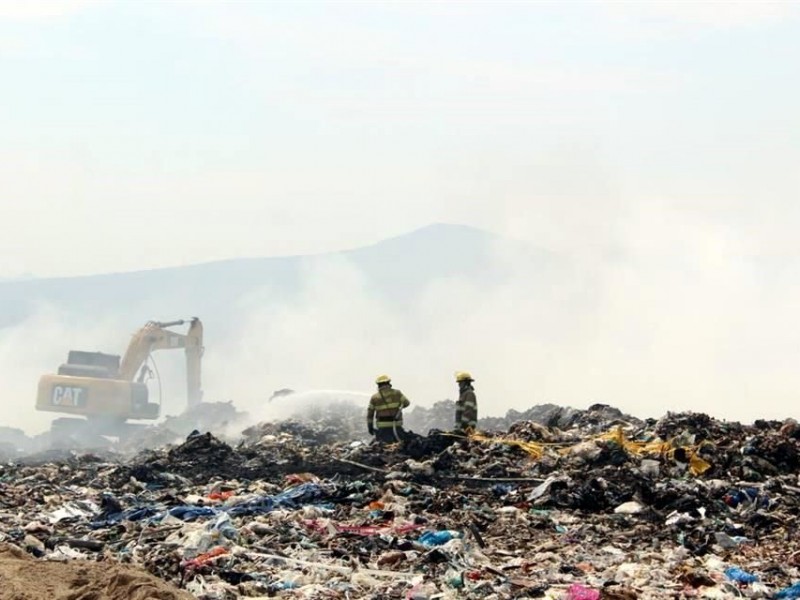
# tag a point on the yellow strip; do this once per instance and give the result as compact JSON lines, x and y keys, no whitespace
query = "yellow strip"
{"x":697,"y":466}
{"x":532,"y":448}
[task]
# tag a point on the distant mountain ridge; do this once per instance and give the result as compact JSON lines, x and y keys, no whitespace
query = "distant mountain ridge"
{"x":394,"y":268}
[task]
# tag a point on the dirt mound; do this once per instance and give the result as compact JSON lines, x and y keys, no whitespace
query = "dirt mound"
{"x":24,"y":578}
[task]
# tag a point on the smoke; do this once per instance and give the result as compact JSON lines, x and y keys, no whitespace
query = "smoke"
{"x":675,"y":314}
{"x":38,"y":345}
{"x":308,"y":403}
{"x":674,"y":311}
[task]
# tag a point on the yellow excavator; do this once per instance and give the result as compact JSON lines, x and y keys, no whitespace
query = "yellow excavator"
{"x":109,"y":390}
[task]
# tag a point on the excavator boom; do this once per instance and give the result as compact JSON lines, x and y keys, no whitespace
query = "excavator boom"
{"x":155,"y":336}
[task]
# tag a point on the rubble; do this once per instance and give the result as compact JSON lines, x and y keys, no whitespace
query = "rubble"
{"x":574,"y":504}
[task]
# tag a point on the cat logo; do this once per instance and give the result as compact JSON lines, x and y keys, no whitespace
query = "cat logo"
{"x":67,"y":395}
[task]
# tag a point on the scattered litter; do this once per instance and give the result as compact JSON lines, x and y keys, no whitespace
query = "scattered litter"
{"x":557,"y":503}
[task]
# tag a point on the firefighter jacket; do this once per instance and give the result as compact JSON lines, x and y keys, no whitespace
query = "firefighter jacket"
{"x":386,"y":408}
{"x":466,"y":407}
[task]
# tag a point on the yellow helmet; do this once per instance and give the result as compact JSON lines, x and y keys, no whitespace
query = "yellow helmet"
{"x":463,"y":376}
{"x":382,"y":379}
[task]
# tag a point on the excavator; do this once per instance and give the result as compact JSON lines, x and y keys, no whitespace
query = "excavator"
{"x":108,"y":390}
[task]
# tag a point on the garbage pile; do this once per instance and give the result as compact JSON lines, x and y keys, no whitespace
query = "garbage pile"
{"x":346,"y":418}
{"x":587,"y":505}
{"x":440,"y":416}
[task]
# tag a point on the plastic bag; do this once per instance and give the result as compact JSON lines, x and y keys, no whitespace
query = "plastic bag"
{"x":437,"y":538}
{"x":793,"y":591}
{"x":580,"y":592}
{"x":738,"y":575}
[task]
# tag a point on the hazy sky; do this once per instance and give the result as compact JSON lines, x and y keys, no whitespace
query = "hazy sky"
{"x":657,"y":144}
{"x":142,"y":134}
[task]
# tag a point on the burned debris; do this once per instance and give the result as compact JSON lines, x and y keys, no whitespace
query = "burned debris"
{"x":569,"y":504}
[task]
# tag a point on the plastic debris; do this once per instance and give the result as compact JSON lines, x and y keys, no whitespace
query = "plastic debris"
{"x":558,"y":503}
{"x":738,"y":575}
{"x":437,"y":538}
{"x":793,"y":591}
{"x":580,"y":592}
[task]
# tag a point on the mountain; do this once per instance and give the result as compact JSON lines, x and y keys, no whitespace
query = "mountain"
{"x":396,"y":269}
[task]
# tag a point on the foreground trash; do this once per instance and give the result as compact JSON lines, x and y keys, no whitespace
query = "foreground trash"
{"x":605,"y":507}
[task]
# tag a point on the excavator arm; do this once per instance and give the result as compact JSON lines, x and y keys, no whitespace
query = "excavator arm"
{"x":155,"y":335}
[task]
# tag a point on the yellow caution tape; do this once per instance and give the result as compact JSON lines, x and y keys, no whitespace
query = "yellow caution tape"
{"x":532,"y":448}
{"x":697,"y":466}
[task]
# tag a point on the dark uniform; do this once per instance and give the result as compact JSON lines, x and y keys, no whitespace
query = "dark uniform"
{"x":467,"y":403}
{"x":385,"y":413}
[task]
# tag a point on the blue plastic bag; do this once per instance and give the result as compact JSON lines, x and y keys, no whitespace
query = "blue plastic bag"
{"x":436,"y":538}
{"x":793,"y":591}
{"x":738,"y":575}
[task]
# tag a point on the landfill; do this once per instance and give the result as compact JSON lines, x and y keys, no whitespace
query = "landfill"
{"x":551,"y":503}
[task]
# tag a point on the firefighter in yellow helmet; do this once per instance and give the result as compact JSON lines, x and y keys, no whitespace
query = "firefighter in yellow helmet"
{"x":385,"y":412}
{"x":467,"y":403}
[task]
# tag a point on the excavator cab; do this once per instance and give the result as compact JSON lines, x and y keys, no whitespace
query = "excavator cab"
{"x":91,"y":364}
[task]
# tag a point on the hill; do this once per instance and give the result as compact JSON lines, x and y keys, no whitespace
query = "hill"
{"x":396,"y":269}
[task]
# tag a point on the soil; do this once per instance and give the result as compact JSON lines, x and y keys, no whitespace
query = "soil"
{"x":24,"y":578}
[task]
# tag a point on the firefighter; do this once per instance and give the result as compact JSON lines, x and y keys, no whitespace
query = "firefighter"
{"x":467,"y":403}
{"x":385,"y":412}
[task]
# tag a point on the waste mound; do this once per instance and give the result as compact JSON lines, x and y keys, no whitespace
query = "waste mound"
{"x":440,"y":416}
{"x":573,"y":504}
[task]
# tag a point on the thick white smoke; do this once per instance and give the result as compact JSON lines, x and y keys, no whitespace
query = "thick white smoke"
{"x":681,"y":317}
{"x":676,"y":314}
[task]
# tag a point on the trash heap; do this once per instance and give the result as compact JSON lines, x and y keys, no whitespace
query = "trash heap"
{"x":593,"y":505}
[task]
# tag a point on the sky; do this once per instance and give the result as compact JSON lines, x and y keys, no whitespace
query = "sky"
{"x":147,"y":134}
{"x":652,"y":144}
